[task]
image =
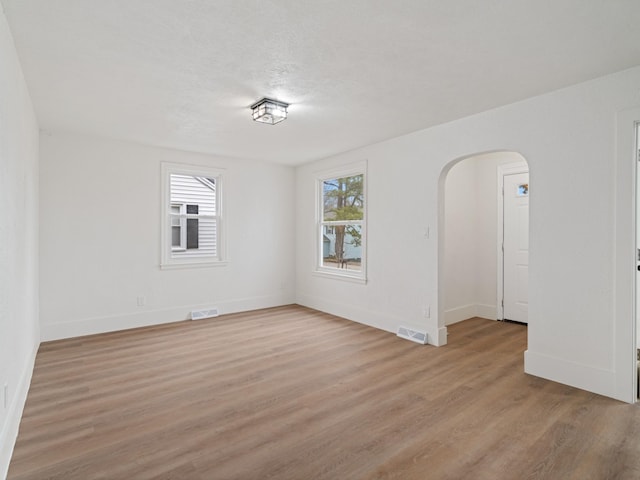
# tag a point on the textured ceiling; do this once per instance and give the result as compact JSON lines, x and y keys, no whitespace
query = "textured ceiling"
{"x":182,"y":73}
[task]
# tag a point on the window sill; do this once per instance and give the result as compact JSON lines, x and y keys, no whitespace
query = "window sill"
{"x":341,"y":276}
{"x":183,"y":265}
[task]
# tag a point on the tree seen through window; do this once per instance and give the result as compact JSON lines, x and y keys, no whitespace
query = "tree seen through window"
{"x":342,"y":222}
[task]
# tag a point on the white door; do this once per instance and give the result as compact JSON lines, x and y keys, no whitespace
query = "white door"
{"x":516,"y":247}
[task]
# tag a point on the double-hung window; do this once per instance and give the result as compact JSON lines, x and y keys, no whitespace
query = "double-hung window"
{"x":342,"y":222}
{"x":191,"y":216}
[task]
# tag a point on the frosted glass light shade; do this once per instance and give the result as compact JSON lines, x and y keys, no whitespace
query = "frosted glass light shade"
{"x":269,"y":111}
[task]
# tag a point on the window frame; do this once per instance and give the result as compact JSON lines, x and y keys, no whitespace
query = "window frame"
{"x":351,"y":170}
{"x":167,"y":260}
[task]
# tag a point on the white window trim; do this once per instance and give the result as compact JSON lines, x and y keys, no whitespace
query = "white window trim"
{"x":337,"y":273}
{"x":167,"y":261}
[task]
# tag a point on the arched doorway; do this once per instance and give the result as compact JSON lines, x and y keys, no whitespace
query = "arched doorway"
{"x":473,"y":233}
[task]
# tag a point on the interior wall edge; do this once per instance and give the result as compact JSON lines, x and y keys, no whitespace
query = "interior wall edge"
{"x":576,"y":375}
{"x":9,"y":432}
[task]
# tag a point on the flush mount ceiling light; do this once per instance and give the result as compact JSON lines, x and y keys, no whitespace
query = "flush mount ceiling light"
{"x":269,"y":111}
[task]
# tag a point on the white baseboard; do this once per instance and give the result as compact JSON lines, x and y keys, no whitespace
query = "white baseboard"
{"x":465,"y":312}
{"x":576,"y":375}
{"x":383,"y":321}
{"x":458,"y":314}
{"x":125,"y":321}
{"x":490,"y":312}
{"x":9,"y":432}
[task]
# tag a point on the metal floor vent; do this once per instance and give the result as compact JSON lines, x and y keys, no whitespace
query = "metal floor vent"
{"x":413,"y":335}
{"x":202,"y":314}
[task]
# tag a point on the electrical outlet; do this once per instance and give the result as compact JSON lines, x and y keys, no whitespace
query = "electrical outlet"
{"x":426,"y":311}
{"x":141,"y":301}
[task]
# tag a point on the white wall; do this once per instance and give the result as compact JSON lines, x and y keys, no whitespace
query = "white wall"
{"x":461,"y":242}
{"x":569,"y":139}
{"x":470,"y":239}
{"x":19,"y":333}
{"x":100,"y":244}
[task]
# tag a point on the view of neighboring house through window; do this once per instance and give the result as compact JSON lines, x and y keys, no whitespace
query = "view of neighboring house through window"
{"x":178,"y":227}
{"x":342,"y":224}
{"x":192,"y":218}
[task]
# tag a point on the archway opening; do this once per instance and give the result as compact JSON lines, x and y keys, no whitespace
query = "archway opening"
{"x":483,"y":238}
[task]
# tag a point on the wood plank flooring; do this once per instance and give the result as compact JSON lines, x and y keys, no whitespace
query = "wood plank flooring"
{"x":291,"y":393}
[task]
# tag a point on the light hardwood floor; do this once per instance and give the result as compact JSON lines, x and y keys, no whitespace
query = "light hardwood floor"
{"x":291,"y":393}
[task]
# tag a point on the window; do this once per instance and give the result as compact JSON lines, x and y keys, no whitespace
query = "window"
{"x":341,"y":223}
{"x":192,"y":220}
{"x":523,"y":190}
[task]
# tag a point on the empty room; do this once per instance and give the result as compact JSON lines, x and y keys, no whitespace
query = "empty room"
{"x":249,"y":239}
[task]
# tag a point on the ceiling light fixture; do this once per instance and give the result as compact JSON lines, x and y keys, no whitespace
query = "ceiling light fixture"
{"x":269,"y":111}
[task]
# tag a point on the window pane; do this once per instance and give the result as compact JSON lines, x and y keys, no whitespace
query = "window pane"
{"x":197,"y":194}
{"x":195,"y":232}
{"x":523,"y":190}
{"x":342,"y":247}
{"x":200,"y":244}
{"x":342,"y":198}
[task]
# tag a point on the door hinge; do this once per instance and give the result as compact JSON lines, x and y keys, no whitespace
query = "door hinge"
{"x":502,"y":303}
